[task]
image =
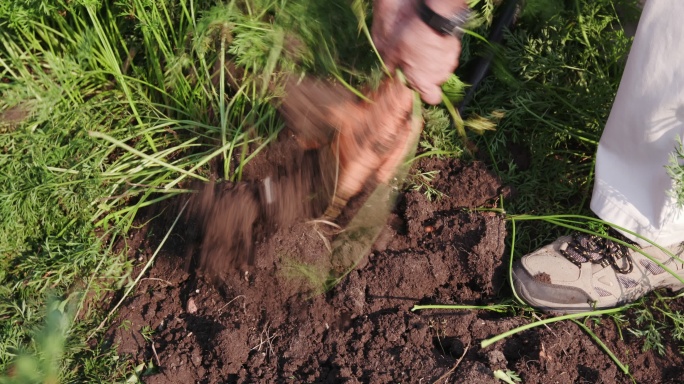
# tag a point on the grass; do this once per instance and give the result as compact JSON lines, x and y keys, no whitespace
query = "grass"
{"x":107,"y":108}
{"x":560,"y":76}
{"x":110,"y":107}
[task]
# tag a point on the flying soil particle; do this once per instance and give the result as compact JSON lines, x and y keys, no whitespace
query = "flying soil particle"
{"x":229,"y":218}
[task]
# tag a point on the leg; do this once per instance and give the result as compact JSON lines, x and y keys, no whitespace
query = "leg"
{"x":631,"y":188}
{"x":583,"y":273}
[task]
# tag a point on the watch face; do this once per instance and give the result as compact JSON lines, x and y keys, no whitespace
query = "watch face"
{"x":447,"y":26}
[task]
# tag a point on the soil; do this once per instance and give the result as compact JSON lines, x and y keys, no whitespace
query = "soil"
{"x":266,"y":318}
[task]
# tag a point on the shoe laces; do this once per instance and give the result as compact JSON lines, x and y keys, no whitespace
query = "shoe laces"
{"x":585,"y":248}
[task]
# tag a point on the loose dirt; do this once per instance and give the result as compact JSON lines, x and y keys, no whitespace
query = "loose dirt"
{"x":267,"y":321}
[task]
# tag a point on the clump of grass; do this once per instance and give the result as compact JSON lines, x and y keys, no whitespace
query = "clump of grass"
{"x":110,"y":107}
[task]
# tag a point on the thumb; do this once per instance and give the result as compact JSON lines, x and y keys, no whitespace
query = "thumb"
{"x":431,"y":93}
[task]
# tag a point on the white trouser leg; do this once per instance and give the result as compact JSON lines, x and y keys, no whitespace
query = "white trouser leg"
{"x":632,"y":184}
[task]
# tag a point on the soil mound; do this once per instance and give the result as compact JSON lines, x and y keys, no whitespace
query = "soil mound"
{"x":268,"y":323}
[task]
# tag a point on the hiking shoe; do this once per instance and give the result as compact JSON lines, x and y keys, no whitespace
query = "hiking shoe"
{"x":584,"y":272}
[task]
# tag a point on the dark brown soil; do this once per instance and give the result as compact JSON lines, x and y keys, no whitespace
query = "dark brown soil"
{"x":266,"y":322}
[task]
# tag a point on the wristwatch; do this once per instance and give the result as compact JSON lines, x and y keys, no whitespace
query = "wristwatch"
{"x":452,"y":26}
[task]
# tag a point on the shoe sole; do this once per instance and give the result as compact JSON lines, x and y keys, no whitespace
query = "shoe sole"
{"x":545,"y":306}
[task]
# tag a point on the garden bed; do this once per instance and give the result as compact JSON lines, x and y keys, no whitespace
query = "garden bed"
{"x":267,"y":325}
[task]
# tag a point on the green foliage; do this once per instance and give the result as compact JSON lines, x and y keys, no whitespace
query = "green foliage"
{"x":562,"y":73}
{"x":677,"y":320}
{"x":50,"y":341}
{"x":108,"y":107}
{"x":656,"y":322}
{"x":650,"y":330}
{"x":439,"y":138}
{"x":486,"y":10}
{"x":507,"y":376}
{"x":676,"y":172}
{"x":541,"y":9}
{"x":454,"y":89}
{"x":421,"y":181}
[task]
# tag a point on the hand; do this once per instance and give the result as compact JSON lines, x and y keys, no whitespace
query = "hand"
{"x":404,"y":41}
{"x":359,"y":140}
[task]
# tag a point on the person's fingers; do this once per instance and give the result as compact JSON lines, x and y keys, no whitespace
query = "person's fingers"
{"x":427,"y":79}
{"x":427,"y":58}
{"x":404,"y":41}
{"x":387,"y":47}
{"x":431,"y":94}
{"x":389,"y":22}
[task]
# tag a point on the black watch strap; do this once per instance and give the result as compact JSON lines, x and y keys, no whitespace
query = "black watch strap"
{"x":446,"y":26}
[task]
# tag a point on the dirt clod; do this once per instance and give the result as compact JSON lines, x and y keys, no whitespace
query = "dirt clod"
{"x":228,"y":219}
{"x":543,"y":278}
{"x":191,"y":307}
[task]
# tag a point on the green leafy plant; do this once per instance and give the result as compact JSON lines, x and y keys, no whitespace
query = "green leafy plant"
{"x":44,"y":364}
{"x":562,"y":70}
{"x":676,"y":172}
{"x":422,"y":182}
{"x":507,"y":376}
{"x":649,"y":330}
